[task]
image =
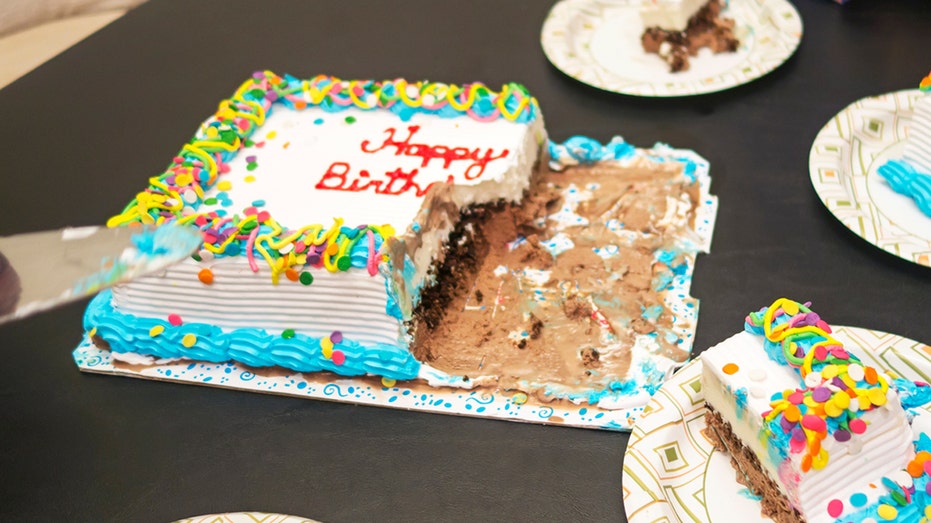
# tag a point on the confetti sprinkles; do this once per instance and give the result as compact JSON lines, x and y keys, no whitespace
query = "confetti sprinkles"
{"x":205,"y":276}
{"x":174,"y":320}
{"x":189,"y":340}
{"x":730,"y":368}
{"x":156,"y":330}
{"x":338,"y":357}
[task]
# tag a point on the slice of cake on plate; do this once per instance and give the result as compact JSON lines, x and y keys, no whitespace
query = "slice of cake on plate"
{"x":817,"y":433}
{"x":911,"y":175}
{"x":678,"y":29}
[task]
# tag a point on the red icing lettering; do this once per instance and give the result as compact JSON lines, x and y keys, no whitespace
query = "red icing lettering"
{"x":339,"y":178}
{"x":427,"y":153}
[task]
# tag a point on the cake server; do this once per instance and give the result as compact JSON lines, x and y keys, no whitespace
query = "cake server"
{"x":44,"y":269}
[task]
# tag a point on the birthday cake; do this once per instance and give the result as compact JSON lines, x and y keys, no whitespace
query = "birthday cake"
{"x":678,"y":29}
{"x":911,"y":174}
{"x":809,"y":427}
{"x":347,"y":226}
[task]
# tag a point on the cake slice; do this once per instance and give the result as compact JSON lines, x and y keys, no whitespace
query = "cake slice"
{"x":808,"y":426}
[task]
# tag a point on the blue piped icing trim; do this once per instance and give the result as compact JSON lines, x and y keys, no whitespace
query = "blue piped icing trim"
{"x":586,"y":151}
{"x":250,"y":346}
{"x":904,"y":179}
{"x":582,"y":150}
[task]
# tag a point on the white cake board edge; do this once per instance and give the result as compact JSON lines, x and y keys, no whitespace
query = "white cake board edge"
{"x":360,"y":391}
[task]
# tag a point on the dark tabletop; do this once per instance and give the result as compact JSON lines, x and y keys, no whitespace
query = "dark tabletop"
{"x":80,"y":136}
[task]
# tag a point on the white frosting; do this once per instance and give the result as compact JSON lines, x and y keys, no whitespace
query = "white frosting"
{"x":295,"y":156}
{"x":352,"y":302}
{"x":295,"y":161}
{"x":918,"y":140}
{"x":671,"y":15}
{"x":885,"y":447}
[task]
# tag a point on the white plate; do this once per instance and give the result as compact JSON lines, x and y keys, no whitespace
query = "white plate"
{"x":598,"y":42}
{"x":843,"y":162}
{"x":672,"y":472}
{"x":246,"y":517}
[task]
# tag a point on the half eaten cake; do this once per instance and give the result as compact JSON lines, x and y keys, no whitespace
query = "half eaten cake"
{"x":413,"y":231}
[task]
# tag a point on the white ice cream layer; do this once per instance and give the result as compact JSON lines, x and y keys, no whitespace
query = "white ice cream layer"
{"x":671,"y":15}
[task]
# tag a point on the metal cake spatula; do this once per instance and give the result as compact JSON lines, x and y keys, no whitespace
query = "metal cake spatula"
{"x":45,"y":269}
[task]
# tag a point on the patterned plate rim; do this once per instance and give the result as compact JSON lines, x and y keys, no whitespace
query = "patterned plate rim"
{"x":830,"y":158}
{"x":246,"y":517}
{"x":648,"y":497}
{"x":557,"y":33}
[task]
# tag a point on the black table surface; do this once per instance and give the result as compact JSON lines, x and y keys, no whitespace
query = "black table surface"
{"x":81,"y":134}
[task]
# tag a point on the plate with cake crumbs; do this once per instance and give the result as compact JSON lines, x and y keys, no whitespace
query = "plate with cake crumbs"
{"x":246,"y":517}
{"x":844,"y":166}
{"x":672,"y":470}
{"x":605,"y":43}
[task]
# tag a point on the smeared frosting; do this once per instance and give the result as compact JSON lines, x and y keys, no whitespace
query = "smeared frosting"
{"x":904,"y":179}
{"x":582,"y":150}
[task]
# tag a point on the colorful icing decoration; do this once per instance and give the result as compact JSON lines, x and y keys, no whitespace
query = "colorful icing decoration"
{"x":903,"y":496}
{"x":177,"y":194}
{"x":925,"y":83}
{"x":836,"y":389}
